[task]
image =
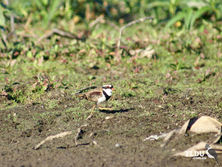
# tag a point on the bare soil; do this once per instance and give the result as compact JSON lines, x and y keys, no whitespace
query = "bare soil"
{"x":112,"y":138}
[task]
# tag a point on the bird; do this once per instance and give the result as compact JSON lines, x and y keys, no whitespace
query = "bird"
{"x":97,"y":95}
{"x":211,"y":153}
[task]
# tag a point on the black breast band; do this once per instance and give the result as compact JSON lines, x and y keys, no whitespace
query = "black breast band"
{"x":107,"y":97}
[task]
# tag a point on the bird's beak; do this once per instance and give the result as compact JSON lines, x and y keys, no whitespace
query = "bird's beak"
{"x":113,"y":89}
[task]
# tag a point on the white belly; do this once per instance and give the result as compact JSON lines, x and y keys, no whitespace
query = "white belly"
{"x":101,"y":99}
{"x":209,"y":155}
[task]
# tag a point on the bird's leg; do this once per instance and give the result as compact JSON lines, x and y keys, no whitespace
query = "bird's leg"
{"x":91,"y":114}
{"x":93,"y":108}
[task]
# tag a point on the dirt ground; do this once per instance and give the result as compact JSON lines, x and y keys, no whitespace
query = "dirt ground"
{"x":111,"y":138}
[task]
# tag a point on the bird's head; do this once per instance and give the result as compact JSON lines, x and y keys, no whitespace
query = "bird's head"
{"x":207,"y":146}
{"x":108,"y":89}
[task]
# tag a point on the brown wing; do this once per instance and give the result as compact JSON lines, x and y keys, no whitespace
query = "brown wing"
{"x":82,"y":96}
{"x":94,"y":95}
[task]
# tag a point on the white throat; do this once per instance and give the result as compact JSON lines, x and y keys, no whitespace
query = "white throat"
{"x":108,"y":91}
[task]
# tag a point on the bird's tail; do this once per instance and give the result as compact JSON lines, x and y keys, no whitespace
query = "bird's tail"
{"x":217,"y":161}
{"x":85,"y":89}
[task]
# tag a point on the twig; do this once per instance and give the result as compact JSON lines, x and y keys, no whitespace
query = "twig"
{"x":79,"y":134}
{"x":12,"y":22}
{"x":98,"y":19}
{"x":90,"y":116}
{"x":101,"y":19}
{"x":63,"y":134}
{"x":129,"y":24}
{"x":49,"y":138}
{"x":60,"y":33}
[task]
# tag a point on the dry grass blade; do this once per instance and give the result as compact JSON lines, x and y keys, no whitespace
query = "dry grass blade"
{"x":129,"y":24}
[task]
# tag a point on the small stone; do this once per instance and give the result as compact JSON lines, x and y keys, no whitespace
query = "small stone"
{"x":108,"y":117}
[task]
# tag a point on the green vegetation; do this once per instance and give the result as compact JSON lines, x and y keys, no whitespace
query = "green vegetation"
{"x":186,"y":56}
{"x":32,"y":66}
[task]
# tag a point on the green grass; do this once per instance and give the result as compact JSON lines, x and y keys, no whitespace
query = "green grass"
{"x":50,"y":74}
